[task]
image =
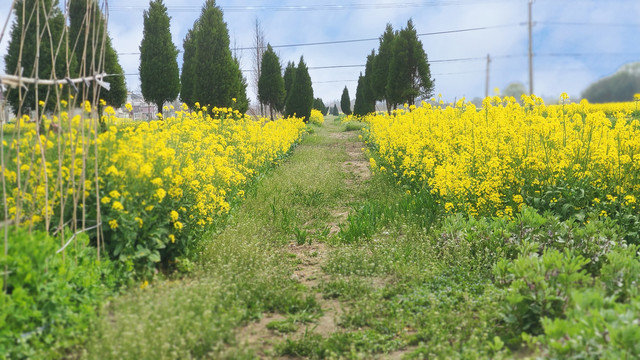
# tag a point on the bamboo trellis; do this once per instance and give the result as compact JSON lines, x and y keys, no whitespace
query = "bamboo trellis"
{"x":71,"y":165}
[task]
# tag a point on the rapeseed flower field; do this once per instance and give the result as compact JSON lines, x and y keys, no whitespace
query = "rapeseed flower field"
{"x":159,"y":184}
{"x":571,"y":158}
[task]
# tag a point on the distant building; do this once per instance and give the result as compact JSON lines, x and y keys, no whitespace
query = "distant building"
{"x":141,"y":110}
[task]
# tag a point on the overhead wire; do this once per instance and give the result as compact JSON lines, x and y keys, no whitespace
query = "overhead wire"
{"x":312,"y":7}
{"x":333,"y":7}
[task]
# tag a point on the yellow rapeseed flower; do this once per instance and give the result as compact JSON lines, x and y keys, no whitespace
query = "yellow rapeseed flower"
{"x":160,"y":194}
{"x":178,"y":225}
{"x":117,"y":205}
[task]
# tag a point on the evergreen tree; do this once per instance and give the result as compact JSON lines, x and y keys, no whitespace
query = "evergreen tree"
{"x":365,"y":101}
{"x":159,"y":75}
{"x":409,"y":74}
{"x":300,"y":101}
{"x":217,"y":81}
{"x":89,"y":38}
{"x":334,"y":110}
{"x":360,"y":107}
{"x":241,"y":102}
{"x":368,"y":95}
{"x":47,"y":67}
{"x":271,"y":90}
{"x":188,"y":74}
{"x":288,"y":77}
{"x":380,"y":65}
{"x":318,"y":104}
{"x":116,"y":96}
{"x":345,"y":102}
{"x":397,"y":79}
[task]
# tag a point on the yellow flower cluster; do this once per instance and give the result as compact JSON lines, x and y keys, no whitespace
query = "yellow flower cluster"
{"x":176,"y":174}
{"x":188,"y":167}
{"x":316,"y":117}
{"x":491,"y":160}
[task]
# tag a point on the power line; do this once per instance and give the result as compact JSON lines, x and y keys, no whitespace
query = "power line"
{"x":313,"y":7}
{"x":333,"y":42}
{"x":376,"y":38}
{"x":478,"y":58}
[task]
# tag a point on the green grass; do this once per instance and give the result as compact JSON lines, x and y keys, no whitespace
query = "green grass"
{"x":353,"y":126}
{"x":241,"y":273}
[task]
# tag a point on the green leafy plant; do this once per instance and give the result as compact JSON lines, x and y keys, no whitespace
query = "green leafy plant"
{"x":595,"y":327}
{"x":49,"y":299}
{"x":538,"y":286}
{"x":621,"y":274}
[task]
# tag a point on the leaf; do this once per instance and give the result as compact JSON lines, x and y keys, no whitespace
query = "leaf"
{"x":154,"y":256}
{"x":142,"y":252}
{"x":118,"y":249}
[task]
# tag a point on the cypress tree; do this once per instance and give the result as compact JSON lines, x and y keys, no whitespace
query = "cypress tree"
{"x":241,"y":102}
{"x":86,"y":37}
{"x":318,"y":104}
{"x":300,"y":101}
{"x":381,"y":64}
{"x":116,"y":96}
{"x":409,"y":75}
{"x":345,"y":102}
{"x":188,"y":74}
{"x":217,"y":81}
{"x":47,"y":69}
{"x":397,"y":79}
{"x":334,"y":110}
{"x":288,"y":77}
{"x":368,"y":95}
{"x":159,"y":75}
{"x":271,"y":84}
{"x":360,"y":106}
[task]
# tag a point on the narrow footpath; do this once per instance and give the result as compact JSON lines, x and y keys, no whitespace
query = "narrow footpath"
{"x":261,"y":281}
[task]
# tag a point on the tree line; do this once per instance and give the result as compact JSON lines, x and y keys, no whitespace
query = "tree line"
{"x":398,"y":73}
{"x":210,"y":76}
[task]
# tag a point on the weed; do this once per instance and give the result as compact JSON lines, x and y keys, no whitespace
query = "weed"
{"x":283,"y":326}
{"x":350,"y":289}
{"x":301,"y":236}
{"x":354,"y":126}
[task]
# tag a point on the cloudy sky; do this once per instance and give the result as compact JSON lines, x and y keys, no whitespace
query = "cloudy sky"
{"x":574,"y":42}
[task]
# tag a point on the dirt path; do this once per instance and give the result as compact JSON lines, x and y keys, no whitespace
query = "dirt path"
{"x":311,"y":257}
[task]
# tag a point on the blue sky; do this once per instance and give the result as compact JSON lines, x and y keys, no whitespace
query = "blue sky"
{"x":574,"y":42}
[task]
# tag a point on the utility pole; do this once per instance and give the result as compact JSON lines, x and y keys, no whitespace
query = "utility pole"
{"x":530,"y":51}
{"x":486,"y":87}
